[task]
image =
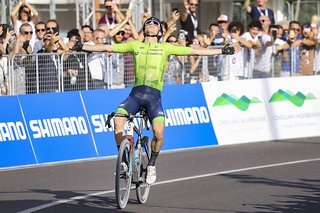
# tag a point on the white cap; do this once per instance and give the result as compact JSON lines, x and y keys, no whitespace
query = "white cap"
{"x":222,"y":18}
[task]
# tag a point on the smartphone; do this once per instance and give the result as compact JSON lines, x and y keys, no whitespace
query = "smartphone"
{"x":25,"y":45}
{"x":175,"y":10}
{"x":55,"y":30}
{"x":291,"y":34}
{"x":274,"y":34}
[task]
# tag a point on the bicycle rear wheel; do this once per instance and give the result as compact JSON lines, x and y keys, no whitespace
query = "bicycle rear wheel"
{"x":142,"y":188}
{"x":123,"y":178}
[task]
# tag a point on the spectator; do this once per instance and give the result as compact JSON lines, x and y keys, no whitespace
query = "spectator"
{"x":40,"y":32}
{"x":276,"y":33}
{"x":195,"y":63}
{"x":112,"y":15}
{"x":88,"y":33}
{"x":97,"y":62}
{"x":49,"y":65}
{"x":24,"y":13}
{"x":117,"y":74}
{"x":251,"y":43}
{"x":213,"y":30}
{"x":174,"y":66}
{"x":294,"y":40}
{"x":5,"y":35}
{"x":52,"y":30}
{"x":23,"y":42}
{"x":233,"y":65}
{"x":265,"y":22}
{"x":74,"y":76}
{"x":223,"y":23}
{"x":188,"y":19}
{"x":315,"y":30}
{"x":308,"y":43}
{"x":260,"y":9}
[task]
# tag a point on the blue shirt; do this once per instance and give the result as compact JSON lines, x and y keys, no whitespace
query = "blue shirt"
{"x":256,"y":13}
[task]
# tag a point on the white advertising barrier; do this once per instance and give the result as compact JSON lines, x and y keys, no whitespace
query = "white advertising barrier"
{"x":264,"y":109}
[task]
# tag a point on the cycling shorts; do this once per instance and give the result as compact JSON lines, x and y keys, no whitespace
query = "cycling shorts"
{"x":147,"y":97}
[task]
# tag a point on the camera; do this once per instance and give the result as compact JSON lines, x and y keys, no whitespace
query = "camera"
{"x":25,"y":45}
{"x":182,"y":34}
{"x":234,"y":30}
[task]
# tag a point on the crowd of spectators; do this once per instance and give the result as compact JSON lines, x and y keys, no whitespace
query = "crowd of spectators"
{"x":268,"y":49}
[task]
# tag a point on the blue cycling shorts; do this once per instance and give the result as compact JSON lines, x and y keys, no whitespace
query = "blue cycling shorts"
{"x":147,"y":97}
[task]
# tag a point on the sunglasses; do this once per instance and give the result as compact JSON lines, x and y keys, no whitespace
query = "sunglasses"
{"x":25,"y":11}
{"x":108,"y":7}
{"x":193,"y":4}
{"x":27,"y":32}
{"x":120,"y":33}
{"x":222,"y":22}
{"x":152,"y":22}
{"x":172,"y":41}
{"x":42,"y":30}
{"x":50,"y":28}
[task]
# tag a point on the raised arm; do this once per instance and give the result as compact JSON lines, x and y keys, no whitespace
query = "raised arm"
{"x":246,"y":6}
{"x":184,"y":14}
{"x":34,"y":12}
{"x":97,"y":48}
{"x":226,"y":50}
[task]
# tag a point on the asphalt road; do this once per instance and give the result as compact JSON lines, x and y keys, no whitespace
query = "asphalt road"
{"x":279,"y":176}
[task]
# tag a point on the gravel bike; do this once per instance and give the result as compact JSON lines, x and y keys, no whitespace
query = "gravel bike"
{"x":133,"y":158}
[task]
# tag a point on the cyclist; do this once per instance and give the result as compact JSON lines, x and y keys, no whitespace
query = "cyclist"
{"x":150,"y":58}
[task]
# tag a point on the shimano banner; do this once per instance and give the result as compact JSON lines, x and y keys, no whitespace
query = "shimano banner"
{"x":188,"y":122}
{"x":15,"y":147}
{"x":58,"y":126}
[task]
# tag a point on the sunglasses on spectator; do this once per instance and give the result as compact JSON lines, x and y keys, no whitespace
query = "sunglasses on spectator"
{"x":50,"y":28}
{"x":152,"y":22}
{"x":27,"y":32}
{"x":193,"y":4}
{"x":108,"y":6}
{"x":25,"y":11}
{"x":222,"y":22}
{"x":120,"y":33}
{"x":42,"y":30}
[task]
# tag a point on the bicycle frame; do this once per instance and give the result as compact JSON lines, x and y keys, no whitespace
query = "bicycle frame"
{"x":136,"y":162}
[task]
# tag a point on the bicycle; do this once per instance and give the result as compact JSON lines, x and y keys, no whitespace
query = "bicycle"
{"x":132,"y":160}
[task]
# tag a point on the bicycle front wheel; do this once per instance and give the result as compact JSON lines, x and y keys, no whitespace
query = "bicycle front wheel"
{"x":123,"y":177}
{"x":142,"y":188}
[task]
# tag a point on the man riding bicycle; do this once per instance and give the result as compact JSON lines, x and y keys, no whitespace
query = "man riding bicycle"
{"x":150,"y":58}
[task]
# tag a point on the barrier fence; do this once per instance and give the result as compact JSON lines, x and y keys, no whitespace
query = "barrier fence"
{"x":39,"y":73}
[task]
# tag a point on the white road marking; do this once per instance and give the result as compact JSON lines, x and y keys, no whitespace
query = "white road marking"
{"x":57,"y":202}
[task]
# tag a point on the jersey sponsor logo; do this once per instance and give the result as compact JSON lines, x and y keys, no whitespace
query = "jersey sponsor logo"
{"x":58,"y":127}
{"x":187,"y":116}
{"x":12,"y":131}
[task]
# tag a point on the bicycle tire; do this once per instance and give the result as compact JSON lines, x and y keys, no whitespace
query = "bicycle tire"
{"x":142,"y":188}
{"x":122,"y":178}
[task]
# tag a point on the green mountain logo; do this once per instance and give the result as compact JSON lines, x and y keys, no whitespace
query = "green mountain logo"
{"x":297,"y":99}
{"x":242,"y":103}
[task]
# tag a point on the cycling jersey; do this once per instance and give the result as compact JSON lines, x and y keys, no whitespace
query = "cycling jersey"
{"x":150,"y":60}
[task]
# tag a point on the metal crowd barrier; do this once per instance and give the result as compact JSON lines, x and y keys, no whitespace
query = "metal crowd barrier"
{"x":39,"y":73}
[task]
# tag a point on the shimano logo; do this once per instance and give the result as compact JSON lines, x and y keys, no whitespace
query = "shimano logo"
{"x":187,"y":116}
{"x":99,"y":121}
{"x":55,"y":127}
{"x":12,"y":131}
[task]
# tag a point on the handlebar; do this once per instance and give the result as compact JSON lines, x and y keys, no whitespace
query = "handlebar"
{"x":142,"y":115}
